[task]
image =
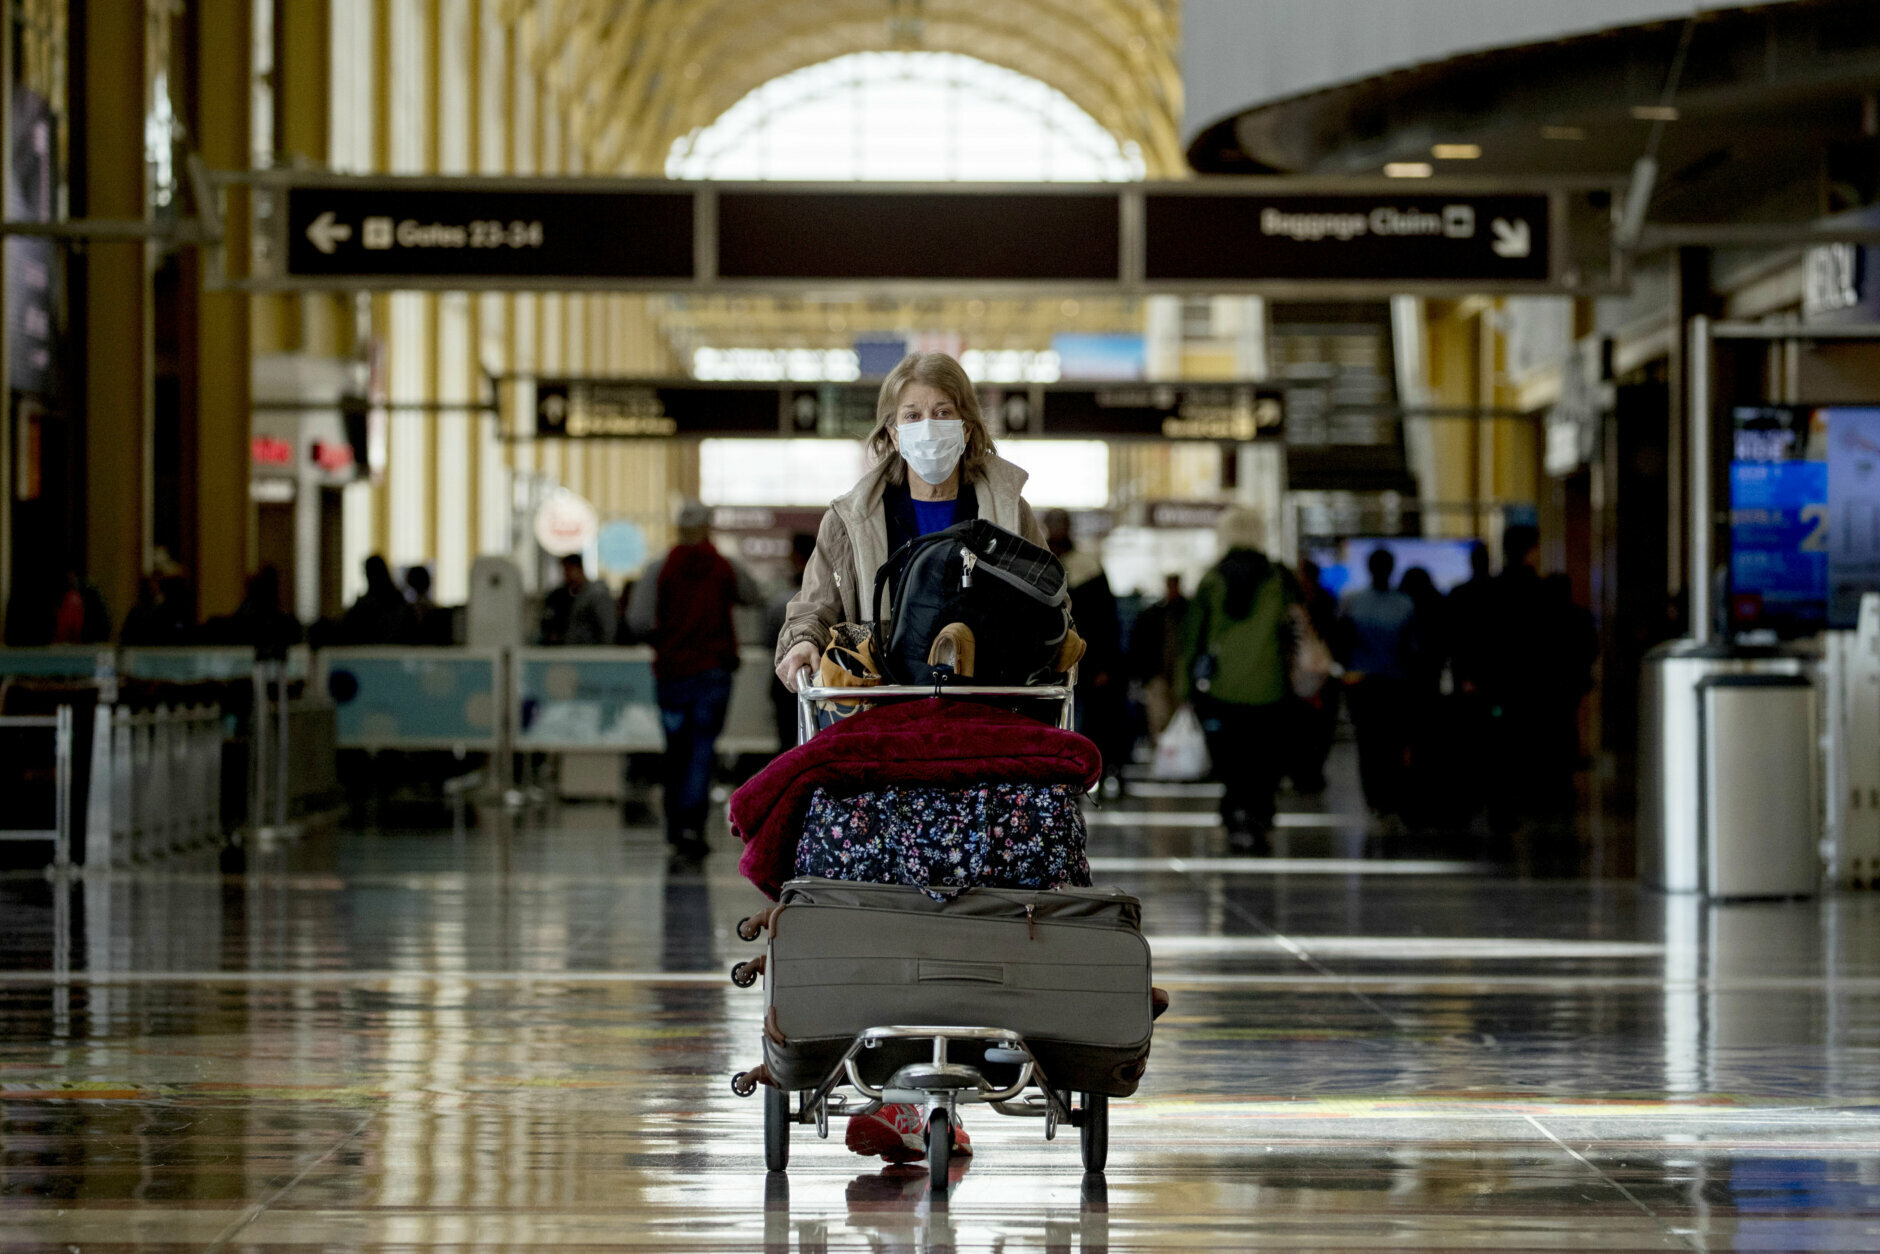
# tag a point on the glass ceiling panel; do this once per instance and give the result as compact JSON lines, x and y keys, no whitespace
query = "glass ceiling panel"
{"x":908,"y":117}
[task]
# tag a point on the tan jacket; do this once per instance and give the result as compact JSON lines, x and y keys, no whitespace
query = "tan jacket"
{"x":852,"y":543}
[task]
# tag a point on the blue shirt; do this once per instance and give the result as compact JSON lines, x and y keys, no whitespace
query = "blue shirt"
{"x":932,"y":516}
{"x":1383,"y":632}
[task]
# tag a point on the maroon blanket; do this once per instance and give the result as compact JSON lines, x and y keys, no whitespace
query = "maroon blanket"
{"x":936,"y":743}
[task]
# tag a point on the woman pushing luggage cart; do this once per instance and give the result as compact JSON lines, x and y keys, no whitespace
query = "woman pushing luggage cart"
{"x":936,"y":942}
{"x":920,"y":998}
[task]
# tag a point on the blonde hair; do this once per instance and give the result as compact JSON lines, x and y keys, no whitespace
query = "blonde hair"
{"x":1240,"y":528}
{"x":936,"y":370}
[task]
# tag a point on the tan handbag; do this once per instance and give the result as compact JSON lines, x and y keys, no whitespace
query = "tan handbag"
{"x":848,"y":662}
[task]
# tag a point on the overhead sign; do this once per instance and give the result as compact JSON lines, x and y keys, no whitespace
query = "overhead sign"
{"x":566,"y":523}
{"x":1235,"y":412}
{"x":1382,"y":236}
{"x":628,"y":409}
{"x":1021,"y":234}
{"x":1278,"y":235}
{"x":638,"y":409}
{"x":390,"y":229}
{"x":1184,"y":515}
{"x":1841,"y":282}
{"x":622,"y":546}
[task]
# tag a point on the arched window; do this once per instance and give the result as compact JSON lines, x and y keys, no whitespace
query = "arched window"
{"x":906,"y":116}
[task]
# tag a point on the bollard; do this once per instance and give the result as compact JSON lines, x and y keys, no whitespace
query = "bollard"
{"x":122,"y":827}
{"x":62,"y":775}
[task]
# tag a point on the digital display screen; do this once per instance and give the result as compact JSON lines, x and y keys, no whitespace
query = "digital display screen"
{"x":1778,"y":521}
{"x":1852,"y":537}
{"x":1346,"y":564}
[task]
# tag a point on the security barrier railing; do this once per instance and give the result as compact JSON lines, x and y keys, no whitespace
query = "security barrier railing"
{"x":154,"y":787}
{"x":528,"y":700}
{"x":59,"y":725}
{"x":156,"y":783}
{"x":293,"y":753}
{"x":149,"y":781}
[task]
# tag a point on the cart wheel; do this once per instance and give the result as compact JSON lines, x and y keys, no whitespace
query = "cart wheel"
{"x":1096,"y":1130}
{"x":776,"y":1129}
{"x":939,"y":1150}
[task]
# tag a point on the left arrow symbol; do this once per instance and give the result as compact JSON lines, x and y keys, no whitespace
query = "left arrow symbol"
{"x":326,"y":233}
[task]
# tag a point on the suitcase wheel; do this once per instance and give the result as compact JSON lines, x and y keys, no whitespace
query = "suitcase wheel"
{"x":744,"y":974}
{"x":776,"y":1129}
{"x":1094,"y":1125}
{"x":742,"y":1084}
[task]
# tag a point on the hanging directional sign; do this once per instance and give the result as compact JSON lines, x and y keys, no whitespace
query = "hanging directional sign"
{"x":633,"y":409}
{"x":1368,"y":237}
{"x":1279,"y":236}
{"x":1017,"y":235}
{"x":388,"y":230}
{"x":1232,"y":412}
{"x":639,"y":409}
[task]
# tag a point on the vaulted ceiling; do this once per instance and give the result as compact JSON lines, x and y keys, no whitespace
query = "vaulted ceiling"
{"x":635,"y":75}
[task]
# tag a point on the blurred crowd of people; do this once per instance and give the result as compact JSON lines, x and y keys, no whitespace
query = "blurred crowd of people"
{"x":1464,"y":706}
{"x":69,"y":609}
{"x":1468,"y":702}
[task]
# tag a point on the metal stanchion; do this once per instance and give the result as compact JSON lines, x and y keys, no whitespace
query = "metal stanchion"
{"x":62,"y":775}
{"x":60,"y":833}
{"x":258,"y":753}
{"x":282,"y":744}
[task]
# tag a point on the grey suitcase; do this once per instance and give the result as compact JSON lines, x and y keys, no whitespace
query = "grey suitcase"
{"x":1068,"y":969}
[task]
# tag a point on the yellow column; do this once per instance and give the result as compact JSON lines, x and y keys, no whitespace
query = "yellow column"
{"x":224,"y":38}
{"x":303,"y":105}
{"x":117,"y":304}
{"x":1452,"y":372}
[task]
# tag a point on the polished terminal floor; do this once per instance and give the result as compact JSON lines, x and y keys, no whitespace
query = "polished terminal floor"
{"x":519,"y":1037}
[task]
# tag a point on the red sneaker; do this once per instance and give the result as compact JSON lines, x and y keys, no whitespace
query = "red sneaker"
{"x":898,"y":1133}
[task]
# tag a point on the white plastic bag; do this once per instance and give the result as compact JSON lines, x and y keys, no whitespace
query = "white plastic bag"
{"x":1182,"y":753}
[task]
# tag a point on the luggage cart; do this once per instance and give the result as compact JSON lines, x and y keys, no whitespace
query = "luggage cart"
{"x":938,"y":1084}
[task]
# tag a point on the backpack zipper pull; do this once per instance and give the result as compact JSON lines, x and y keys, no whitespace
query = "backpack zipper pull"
{"x":1031,"y":921}
{"x":968,"y":560}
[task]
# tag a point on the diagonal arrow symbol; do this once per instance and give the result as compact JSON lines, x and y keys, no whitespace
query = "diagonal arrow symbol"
{"x":326,"y":233}
{"x":1512,"y":239}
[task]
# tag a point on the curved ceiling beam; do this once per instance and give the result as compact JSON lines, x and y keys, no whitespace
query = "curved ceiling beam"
{"x":620,"y":66}
{"x":1011,"y":45}
{"x":1007,"y":46}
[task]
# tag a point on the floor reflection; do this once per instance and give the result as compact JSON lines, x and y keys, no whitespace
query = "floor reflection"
{"x":519,"y":1037}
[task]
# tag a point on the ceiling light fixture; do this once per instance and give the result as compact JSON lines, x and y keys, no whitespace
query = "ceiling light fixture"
{"x":1456,"y":152}
{"x":1409,"y":170}
{"x":1655,"y":113}
{"x":1563,"y":132}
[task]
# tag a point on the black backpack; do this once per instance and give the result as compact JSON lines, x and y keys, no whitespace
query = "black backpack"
{"x":1009,"y":591}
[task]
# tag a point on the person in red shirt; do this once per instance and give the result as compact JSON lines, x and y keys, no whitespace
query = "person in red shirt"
{"x":682,"y":606}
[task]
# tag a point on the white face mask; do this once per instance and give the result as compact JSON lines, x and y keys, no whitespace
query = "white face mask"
{"x":933,"y":446}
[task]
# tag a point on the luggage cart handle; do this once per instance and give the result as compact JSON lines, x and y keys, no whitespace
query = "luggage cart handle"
{"x":806,"y":691}
{"x":808,"y":694}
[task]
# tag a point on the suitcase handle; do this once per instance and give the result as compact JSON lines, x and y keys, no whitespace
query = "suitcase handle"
{"x":939,"y":971}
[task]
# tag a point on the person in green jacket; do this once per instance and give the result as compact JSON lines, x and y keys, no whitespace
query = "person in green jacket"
{"x":1235,"y":673}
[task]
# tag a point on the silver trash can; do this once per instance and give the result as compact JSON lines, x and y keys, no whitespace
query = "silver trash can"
{"x":1727,"y":788}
